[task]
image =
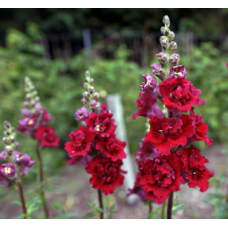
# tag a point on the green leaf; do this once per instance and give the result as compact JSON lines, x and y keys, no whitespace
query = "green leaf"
{"x":16,"y":202}
{"x":177,"y":207}
{"x":91,"y":214}
{"x":66,"y":216}
{"x":111,"y":211}
{"x":91,"y":204}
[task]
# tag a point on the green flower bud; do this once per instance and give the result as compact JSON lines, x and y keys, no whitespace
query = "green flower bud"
{"x":166,"y":21}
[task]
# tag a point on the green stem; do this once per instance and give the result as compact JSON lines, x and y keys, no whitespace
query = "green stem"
{"x":150,"y":209}
{"x":163,"y":211}
{"x":42,"y":195}
{"x":20,"y":190}
{"x":170,"y":205}
{"x":100,"y":203}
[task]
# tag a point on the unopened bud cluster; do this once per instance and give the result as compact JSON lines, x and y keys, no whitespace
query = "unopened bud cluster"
{"x":90,"y":97}
{"x":9,"y":139}
{"x":16,"y":164}
{"x":32,"y":103}
{"x":166,"y":58}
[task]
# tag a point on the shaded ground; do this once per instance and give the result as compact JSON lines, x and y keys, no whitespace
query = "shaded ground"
{"x":72,"y":190}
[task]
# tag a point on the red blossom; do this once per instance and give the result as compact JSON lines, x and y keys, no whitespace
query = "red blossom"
{"x":166,"y":133}
{"x":193,"y":167}
{"x":81,"y":143}
{"x":160,"y":176}
{"x":179,"y":93}
{"x":111,"y":147}
{"x":47,"y":136}
{"x":148,"y":106}
{"x":201,"y":129}
{"x":101,"y":124}
{"x":106,"y":174}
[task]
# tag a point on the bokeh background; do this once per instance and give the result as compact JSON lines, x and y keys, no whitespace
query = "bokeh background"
{"x":54,"y":47}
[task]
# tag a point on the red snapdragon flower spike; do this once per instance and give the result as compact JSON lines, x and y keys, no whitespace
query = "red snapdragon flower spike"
{"x":101,"y":124}
{"x":111,"y":147}
{"x":201,"y":129}
{"x":148,"y":106}
{"x":82,"y":140}
{"x":47,"y":136}
{"x":177,"y":72}
{"x":197,"y":173}
{"x":166,"y":133}
{"x":160,"y":176}
{"x":137,"y":189}
{"x":179,"y":93}
{"x":106,"y":174}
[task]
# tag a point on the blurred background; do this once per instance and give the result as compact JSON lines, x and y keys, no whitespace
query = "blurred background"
{"x":54,"y":47}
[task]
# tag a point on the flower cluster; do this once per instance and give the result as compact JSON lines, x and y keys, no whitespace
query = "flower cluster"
{"x":95,"y":145}
{"x":164,"y":160}
{"x":36,"y":118}
{"x":16,"y":165}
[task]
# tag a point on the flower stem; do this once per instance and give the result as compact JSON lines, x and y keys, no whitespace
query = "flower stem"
{"x":150,"y":209}
{"x":170,"y":205}
{"x":100,"y":203}
{"x":22,"y":199}
{"x":42,"y":195}
{"x":163,"y":211}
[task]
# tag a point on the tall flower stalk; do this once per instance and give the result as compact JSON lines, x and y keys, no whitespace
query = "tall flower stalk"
{"x":16,"y":165}
{"x":95,"y":145}
{"x":166,"y":158}
{"x":35,"y":126}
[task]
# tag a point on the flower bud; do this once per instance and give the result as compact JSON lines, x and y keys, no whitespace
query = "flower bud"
{"x":26,"y":104}
{"x":6,"y":141}
{"x":86,"y":96}
{"x":166,"y":21}
{"x":16,"y":146}
{"x":162,"y":38}
{"x":162,"y":58}
{"x":167,"y":32}
{"x":173,"y":46}
{"x":91,"y":90}
{"x":6,"y":124}
{"x":174,"y":59}
{"x":87,"y":74}
{"x":165,"y":44}
{"x":171,"y":36}
{"x":37,"y":98}
{"x":85,"y":84}
{"x":157,"y":70}
{"x":96,"y":96}
{"x":28,"y":97}
{"x":9,"y":150}
{"x":91,"y":81}
{"x":12,"y":139}
{"x":163,"y":30}
{"x":33,"y":104}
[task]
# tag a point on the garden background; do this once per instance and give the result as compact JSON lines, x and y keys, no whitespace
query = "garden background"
{"x":54,"y":47}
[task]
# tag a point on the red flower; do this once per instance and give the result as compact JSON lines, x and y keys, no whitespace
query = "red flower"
{"x":101,"y":124}
{"x":106,"y":174}
{"x":83,"y":159}
{"x":81,"y":142}
{"x":47,"y":136}
{"x":160,"y":176}
{"x":148,"y":105}
{"x":112,"y":147}
{"x":168,"y":133}
{"x":179,"y":93}
{"x":46,"y":117}
{"x":201,"y":129}
{"x":195,"y":171}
